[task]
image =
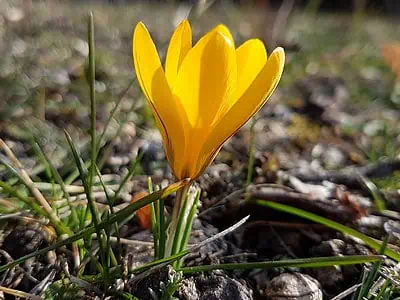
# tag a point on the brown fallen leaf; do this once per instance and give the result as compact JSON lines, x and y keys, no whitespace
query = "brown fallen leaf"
{"x":143,"y":214}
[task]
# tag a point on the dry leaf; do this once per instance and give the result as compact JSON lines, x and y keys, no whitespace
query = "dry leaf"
{"x":143,"y":215}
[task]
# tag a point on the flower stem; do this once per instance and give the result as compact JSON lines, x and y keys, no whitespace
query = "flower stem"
{"x":174,"y":224}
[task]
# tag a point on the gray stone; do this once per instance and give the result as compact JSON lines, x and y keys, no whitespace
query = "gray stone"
{"x":290,"y":286}
{"x":215,"y":286}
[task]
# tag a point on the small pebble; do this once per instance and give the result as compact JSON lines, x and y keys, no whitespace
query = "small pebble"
{"x":293,"y":286}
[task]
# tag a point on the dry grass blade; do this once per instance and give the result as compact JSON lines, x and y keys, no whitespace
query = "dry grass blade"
{"x":19,"y":294}
{"x":35,"y":191}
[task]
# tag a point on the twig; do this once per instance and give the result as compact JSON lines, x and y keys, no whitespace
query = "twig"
{"x":281,"y":20}
{"x":305,"y":202}
{"x":129,"y":242}
{"x":347,"y":292}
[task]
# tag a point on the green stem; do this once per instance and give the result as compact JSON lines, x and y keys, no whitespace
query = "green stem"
{"x":188,"y":228}
{"x":173,"y":225}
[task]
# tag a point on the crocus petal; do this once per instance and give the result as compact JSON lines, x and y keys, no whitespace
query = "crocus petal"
{"x":221,"y":28}
{"x":251,"y":101}
{"x":251,"y":57}
{"x":207,"y":78}
{"x":151,"y":77}
{"x":179,"y":46}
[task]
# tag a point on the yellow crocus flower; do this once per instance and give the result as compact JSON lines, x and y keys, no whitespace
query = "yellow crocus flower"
{"x":206,"y":93}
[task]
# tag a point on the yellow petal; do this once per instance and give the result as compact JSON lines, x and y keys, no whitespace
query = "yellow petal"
{"x":168,"y":113}
{"x":245,"y":107}
{"x":251,"y":58}
{"x":221,"y":28}
{"x":179,"y":46}
{"x":207,"y":78}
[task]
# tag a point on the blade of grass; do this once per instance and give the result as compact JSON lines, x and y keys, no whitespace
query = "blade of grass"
{"x":116,"y":228}
{"x":112,"y":113}
{"x":172,"y":258}
{"x":154,"y":221}
{"x":329,"y":223}
{"x":56,"y":222}
{"x":118,"y":217}
{"x":181,"y":223}
{"x":92,"y":71}
{"x":383,"y":290}
{"x":374,"y":191}
{"x":57,"y":178}
{"x":91,"y":204}
{"x":364,"y":289}
{"x":131,"y":172}
{"x":315,"y":262}
{"x":162,"y":227}
{"x":19,"y":294}
{"x":13,"y":192}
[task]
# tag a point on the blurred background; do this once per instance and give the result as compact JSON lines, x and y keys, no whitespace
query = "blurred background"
{"x":342,"y":59}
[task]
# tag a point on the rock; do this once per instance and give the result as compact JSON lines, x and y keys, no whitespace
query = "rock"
{"x":393,"y":227}
{"x":60,"y":77}
{"x":333,"y":247}
{"x":374,"y":127}
{"x":291,"y":286}
{"x":334,"y":158}
{"x":150,"y":287}
{"x":82,"y":47}
{"x":18,"y":48}
{"x":215,"y":286}
{"x":14,"y":14}
{"x":336,"y":277}
{"x":24,"y":240}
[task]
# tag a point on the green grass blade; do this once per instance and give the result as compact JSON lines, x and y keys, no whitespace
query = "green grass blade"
{"x":116,"y":228}
{"x":92,"y":71}
{"x":131,"y":172}
{"x":117,"y":217}
{"x":58,"y":179}
{"x":375,"y":193}
{"x":13,"y":192}
{"x":172,"y":258}
{"x":91,"y":203}
{"x":181,"y":224}
{"x":113,"y":111}
{"x":329,"y":223}
{"x":162,"y":227}
{"x":154,"y":221}
{"x":315,"y":262}
{"x":364,"y":289}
